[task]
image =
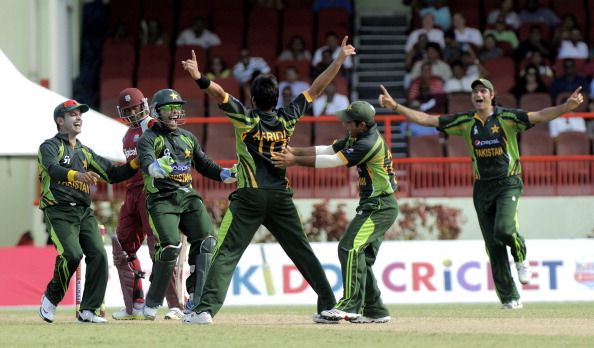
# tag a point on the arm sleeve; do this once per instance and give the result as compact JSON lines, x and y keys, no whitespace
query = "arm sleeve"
{"x":237,"y":113}
{"x":297,"y":108}
{"x":107,"y":170}
{"x":324,"y":150}
{"x":454,"y":124}
{"x":145,"y":151}
{"x":329,"y":161}
{"x":48,"y":159}
{"x":205,"y":165}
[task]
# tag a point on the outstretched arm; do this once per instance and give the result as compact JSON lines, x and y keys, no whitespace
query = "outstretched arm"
{"x":213,"y":89}
{"x":547,"y":114}
{"x":385,"y":100}
{"x":320,"y":83}
{"x":314,"y":156}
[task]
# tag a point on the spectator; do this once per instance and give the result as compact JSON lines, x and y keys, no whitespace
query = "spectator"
{"x":333,"y":45}
{"x":459,"y":82}
{"x":473,"y":66}
{"x":434,"y":83}
{"x":490,"y":50}
{"x":217,"y":69}
{"x":198,"y":35}
{"x":569,"y":81}
{"x":506,"y":10}
{"x":574,"y":48}
{"x":440,"y":12}
{"x":534,"y":13}
{"x":439,"y":68}
{"x":286,"y":96}
{"x":152,"y":33}
{"x":323,"y":64}
{"x":566,"y":124}
{"x":563,"y":31}
{"x":544,"y":68}
{"x":292,"y":80}
{"x":466,"y":35}
{"x":453,"y":49}
{"x":426,"y":103}
{"x":533,"y":43}
{"x":330,"y":102}
{"x":433,"y":34}
{"x":418,"y":52}
{"x":249,"y":67}
{"x":529,"y":82}
{"x":502,"y":33}
{"x":296,"y":50}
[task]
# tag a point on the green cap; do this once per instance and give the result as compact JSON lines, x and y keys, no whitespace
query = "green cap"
{"x":483,"y":82}
{"x":69,"y":105}
{"x":357,"y":111}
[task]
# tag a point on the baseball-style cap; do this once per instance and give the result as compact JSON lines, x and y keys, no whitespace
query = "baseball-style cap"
{"x":357,"y":111}
{"x":130,"y":97}
{"x":69,"y":105}
{"x":483,"y":82}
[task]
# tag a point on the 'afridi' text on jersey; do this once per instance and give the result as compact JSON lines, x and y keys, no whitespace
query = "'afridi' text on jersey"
{"x":58,"y":164}
{"x":373,"y":159}
{"x":257,"y":135}
{"x":493,"y":145}
{"x":182,"y":146}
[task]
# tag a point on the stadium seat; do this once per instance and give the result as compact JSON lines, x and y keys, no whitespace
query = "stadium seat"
{"x":195,"y":97}
{"x":325,"y":133}
{"x":230,"y":85}
{"x":189,"y":10}
{"x":580,"y":65}
{"x":459,"y":102}
{"x":506,"y":100}
{"x":536,"y":142}
{"x":150,"y":85}
{"x":573,"y":175}
{"x":425,"y":146}
{"x":459,"y":174}
{"x":456,"y":146}
{"x":126,"y":12}
{"x":220,"y":141}
{"x":111,"y":87}
{"x":263,"y":27}
{"x":524,"y":31}
{"x":332,"y":19}
{"x":265,"y":51}
{"x":302,"y":135}
{"x":426,"y":179}
{"x":540,"y":175}
{"x":500,"y":66}
{"x":535,"y":101}
{"x":154,"y":9}
{"x":228,"y":52}
{"x":118,"y":59}
{"x":302,"y":67}
{"x":185,"y":52}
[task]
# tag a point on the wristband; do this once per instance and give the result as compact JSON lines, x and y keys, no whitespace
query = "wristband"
{"x":203,"y":82}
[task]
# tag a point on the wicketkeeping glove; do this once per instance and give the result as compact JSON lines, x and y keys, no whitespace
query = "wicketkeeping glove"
{"x":161,"y":167}
{"x":229,"y":175}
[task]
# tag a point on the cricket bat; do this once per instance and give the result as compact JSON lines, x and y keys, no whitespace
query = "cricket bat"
{"x":267,"y":272}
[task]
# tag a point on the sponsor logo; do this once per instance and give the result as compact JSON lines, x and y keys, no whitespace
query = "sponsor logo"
{"x":584,"y":271}
{"x":483,"y":143}
{"x":130,"y":152}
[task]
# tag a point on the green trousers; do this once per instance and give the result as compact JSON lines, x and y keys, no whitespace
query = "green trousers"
{"x":357,"y":251}
{"x":249,"y":208}
{"x":74,"y":231}
{"x":496,"y":205}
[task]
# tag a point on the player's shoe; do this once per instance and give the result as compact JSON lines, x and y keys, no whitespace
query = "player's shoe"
{"x":87,"y":316}
{"x":174,"y":314}
{"x":47,"y":310}
{"x":367,"y":320}
{"x":513,"y":304}
{"x":318,"y":319}
{"x":124,"y":315}
{"x":150,"y":313}
{"x":338,"y":314}
{"x":202,"y":318}
{"x":524,"y":273}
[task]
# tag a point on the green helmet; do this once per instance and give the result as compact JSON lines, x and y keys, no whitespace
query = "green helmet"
{"x":164,"y":97}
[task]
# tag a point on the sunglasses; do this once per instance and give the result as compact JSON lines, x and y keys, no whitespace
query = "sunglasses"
{"x":171,"y":107}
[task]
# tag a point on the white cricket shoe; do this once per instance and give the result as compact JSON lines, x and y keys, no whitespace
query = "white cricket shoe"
{"x":174,"y":314}
{"x":150,"y":313}
{"x":318,"y":319}
{"x":513,"y":304}
{"x":367,"y":320}
{"x":87,"y":316}
{"x":47,"y":310}
{"x":524,"y":273}
{"x":202,"y":318}
{"x":124,"y":315}
{"x":338,"y":314}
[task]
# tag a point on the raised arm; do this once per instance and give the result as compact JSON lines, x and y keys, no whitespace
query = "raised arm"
{"x":547,"y":114}
{"x":319,"y":84}
{"x":213,"y":89}
{"x":385,"y":100}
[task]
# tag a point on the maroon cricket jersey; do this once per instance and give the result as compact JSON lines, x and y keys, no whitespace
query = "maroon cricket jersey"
{"x":129,"y":145}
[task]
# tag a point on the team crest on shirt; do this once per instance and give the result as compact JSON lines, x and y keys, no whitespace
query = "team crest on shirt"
{"x":494,"y":129}
{"x":187,"y":153}
{"x":475,"y":130}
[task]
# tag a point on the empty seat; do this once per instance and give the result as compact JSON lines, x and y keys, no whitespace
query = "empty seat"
{"x":535,"y":101}
{"x":503,"y":82}
{"x":426,"y":179}
{"x":573,"y":175}
{"x":150,"y":85}
{"x":534,"y":142}
{"x":325,"y":133}
{"x":573,"y":143}
{"x":456,"y":146}
{"x":302,"y":135}
{"x":460,"y":173}
{"x":425,"y":146}
{"x":185,"y":52}
{"x":459,"y":102}
{"x":500,"y":66}
{"x":111,"y":87}
{"x":189,"y":10}
{"x":506,"y":100}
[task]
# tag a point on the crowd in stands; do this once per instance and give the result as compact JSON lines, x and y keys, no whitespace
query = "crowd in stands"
{"x":534,"y":51}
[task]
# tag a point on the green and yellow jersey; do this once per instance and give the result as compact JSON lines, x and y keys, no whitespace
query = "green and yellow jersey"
{"x":182,"y":146}
{"x":493,"y":145}
{"x":257,"y":135}
{"x":373,"y":159}
{"x":58,"y":164}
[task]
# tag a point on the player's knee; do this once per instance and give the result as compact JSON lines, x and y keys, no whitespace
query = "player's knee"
{"x":207,"y":245}
{"x":169,"y":252}
{"x":502,"y":230}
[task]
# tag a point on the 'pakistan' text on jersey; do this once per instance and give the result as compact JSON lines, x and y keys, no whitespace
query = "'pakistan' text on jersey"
{"x":129,"y":143}
{"x":58,"y":164}
{"x":257,"y":135}
{"x":373,"y":159}
{"x":493,"y":145}
{"x":182,"y":146}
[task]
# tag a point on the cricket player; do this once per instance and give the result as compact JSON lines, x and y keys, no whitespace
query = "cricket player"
{"x":67,"y":170}
{"x":365,"y":148}
{"x":263,"y":195}
{"x":491,"y":134}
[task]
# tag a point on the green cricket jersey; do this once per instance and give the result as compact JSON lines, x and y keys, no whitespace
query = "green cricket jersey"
{"x":182,"y":146}
{"x":257,"y":135}
{"x":58,"y":164}
{"x":373,"y":159}
{"x":493,"y":145}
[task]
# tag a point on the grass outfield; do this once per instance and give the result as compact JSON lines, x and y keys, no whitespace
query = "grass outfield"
{"x":448,"y":325}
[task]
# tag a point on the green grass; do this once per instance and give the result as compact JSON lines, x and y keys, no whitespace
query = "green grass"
{"x":447,"y":325}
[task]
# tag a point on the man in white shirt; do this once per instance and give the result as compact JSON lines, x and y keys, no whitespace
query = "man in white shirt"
{"x":198,"y":35}
{"x":566,"y":124}
{"x":574,"y":48}
{"x":460,"y":81}
{"x":333,"y":45}
{"x":465,"y":34}
{"x":330,"y":102}
{"x":294,"y":82}
{"x":433,"y":34}
{"x":244,"y":70}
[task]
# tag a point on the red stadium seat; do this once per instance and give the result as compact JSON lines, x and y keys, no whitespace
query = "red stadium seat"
{"x":503,"y":82}
{"x":573,"y":175}
{"x":302,"y":135}
{"x":459,"y":102}
{"x":189,"y":10}
{"x":150,"y":85}
{"x":302,"y":67}
{"x":228,"y":52}
{"x":426,"y":178}
{"x":325,"y":133}
{"x":185,"y":52}
{"x":535,"y":142}
{"x":500,"y":66}
{"x":220,"y":141}
{"x":126,"y":12}
{"x":111,"y":87}
{"x":534,"y":101}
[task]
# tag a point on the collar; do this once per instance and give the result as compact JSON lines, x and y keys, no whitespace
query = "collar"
{"x":64,"y":137}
